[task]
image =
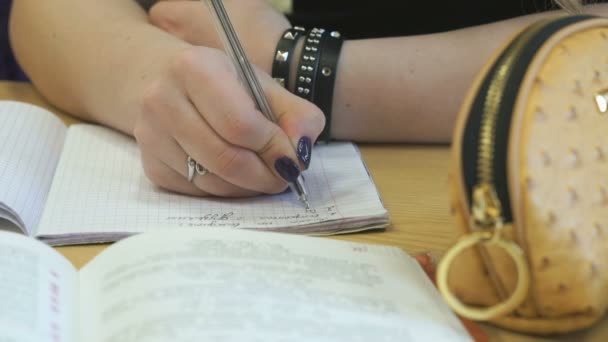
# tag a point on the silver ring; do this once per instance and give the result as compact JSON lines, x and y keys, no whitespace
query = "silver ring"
{"x":195,"y":168}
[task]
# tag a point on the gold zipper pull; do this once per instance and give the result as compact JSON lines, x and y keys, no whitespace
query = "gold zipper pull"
{"x":487,"y":211}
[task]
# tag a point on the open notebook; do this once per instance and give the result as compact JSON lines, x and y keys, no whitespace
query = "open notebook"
{"x":85,"y":184}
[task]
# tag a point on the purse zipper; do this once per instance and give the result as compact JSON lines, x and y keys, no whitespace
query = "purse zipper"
{"x":486,"y":206}
{"x":488,"y":193}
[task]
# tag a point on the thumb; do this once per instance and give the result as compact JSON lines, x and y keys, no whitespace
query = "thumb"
{"x":187,"y":20}
{"x":300,"y":119}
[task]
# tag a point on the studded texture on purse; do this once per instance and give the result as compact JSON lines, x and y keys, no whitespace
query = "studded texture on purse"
{"x":529,"y":183}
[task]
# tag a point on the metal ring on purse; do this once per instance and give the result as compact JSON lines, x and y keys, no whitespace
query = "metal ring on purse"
{"x":491,"y":238}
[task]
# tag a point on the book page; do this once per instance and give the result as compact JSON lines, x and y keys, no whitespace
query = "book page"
{"x":100,"y":189}
{"x":9,"y":226}
{"x":31,"y":140}
{"x":227,"y":285}
{"x":37,"y":288}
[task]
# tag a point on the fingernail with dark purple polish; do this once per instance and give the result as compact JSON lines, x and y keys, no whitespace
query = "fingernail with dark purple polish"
{"x":305,"y":150}
{"x":287,"y":168}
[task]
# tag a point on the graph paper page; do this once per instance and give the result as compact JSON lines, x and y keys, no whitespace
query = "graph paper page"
{"x":100,"y":188}
{"x":31,"y":144}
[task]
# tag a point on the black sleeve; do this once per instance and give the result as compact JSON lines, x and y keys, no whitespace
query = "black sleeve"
{"x":383,"y":18}
{"x":146,"y":4}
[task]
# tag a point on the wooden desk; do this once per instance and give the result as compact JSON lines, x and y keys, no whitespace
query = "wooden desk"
{"x":413,"y":183}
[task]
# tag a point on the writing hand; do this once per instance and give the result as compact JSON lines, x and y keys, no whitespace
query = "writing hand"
{"x":198,"y":108}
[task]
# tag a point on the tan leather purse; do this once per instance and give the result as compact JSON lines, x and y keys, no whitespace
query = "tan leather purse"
{"x":529,"y":183}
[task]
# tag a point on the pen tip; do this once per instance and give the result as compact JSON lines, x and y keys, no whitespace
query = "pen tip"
{"x":306,"y":204}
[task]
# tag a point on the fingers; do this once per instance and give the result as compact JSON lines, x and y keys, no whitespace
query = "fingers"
{"x":301,"y":120}
{"x":166,"y":176}
{"x":165,"y":164}
{"x":230,"y":111}
{"x":187,"y":133}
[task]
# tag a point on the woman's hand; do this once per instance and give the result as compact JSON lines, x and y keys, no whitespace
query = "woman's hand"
{"x":258,"y":25}
{"x":199,"y":109}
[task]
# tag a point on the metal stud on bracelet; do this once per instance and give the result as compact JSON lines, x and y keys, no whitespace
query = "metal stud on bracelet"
{"x":309,"y":62}
{"x":283,"y":53}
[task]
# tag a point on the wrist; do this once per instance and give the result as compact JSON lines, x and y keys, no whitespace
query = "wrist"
{"x":307,"y":64}
{"x":267,"y":50}
{"x":341,"y":105}
{"x":317,"y":70}
{"x":308,"y":67}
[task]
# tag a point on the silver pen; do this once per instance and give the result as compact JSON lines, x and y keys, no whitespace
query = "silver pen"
{"x":235,"y":51}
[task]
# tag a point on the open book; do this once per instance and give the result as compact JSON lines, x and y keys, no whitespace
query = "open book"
{"x":220,"y":285}
{"x":85,"y":184}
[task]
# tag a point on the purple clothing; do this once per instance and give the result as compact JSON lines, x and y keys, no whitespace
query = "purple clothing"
{"x":9,"y":69}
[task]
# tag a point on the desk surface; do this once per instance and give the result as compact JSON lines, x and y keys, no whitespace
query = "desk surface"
{"x":412,"y":181}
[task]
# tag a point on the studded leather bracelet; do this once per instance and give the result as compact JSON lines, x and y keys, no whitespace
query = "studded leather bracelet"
{"x":309,"y":61}
{"x":316,"y":71}
{"x":284,"y":51}
{"x":326,"y":77}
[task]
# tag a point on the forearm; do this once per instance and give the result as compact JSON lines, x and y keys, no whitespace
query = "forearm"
{"x":410,"y":89}
{"x":403,"y":89}
{"x":90,"y":58}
